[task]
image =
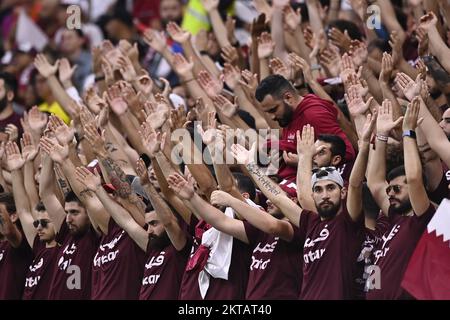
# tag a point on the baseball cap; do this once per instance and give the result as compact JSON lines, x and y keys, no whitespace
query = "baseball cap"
{"x":290,"y":187}
{"x":327,"y":173}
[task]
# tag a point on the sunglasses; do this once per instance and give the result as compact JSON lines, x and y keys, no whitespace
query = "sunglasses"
{"x":43,"y":222}
{"x":323,"y":172}
{"x":394,"y":187}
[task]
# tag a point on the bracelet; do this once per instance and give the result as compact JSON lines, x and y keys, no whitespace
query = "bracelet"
{"x":380,"y":137}
{"x":316,"y":66}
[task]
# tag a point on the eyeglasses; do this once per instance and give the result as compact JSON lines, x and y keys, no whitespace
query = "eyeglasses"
{"x":43,"y":222}
{"x":394,"y":187}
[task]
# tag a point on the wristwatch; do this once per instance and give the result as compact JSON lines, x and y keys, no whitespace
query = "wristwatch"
{"x":409,"y":133}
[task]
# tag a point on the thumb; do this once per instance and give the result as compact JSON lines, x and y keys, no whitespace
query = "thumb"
{"x":398,"y":121}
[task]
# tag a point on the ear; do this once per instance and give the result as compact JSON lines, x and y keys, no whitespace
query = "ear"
{"x":14,"y":217}
{"x":246,"y":195}
{"x":10,"y":96}
{"x":343,"y":193}
{"x":336,"y":160}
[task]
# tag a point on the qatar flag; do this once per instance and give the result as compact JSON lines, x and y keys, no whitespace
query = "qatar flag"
{"x":428,"y":274}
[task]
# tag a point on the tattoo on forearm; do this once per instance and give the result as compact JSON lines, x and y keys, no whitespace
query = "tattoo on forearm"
{"x":110,"y":147}
{"x":118,"y":177}
{"x":263,"y":179}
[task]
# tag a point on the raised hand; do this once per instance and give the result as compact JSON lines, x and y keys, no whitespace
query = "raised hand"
{"x":347,"y":67}
{"x":209,"y":136}
{"x":142,"y":172}
{"x":176,"y":33}
{"x":278,"y":67}
{"x":14,"y":160}
{"x":409,"y":87}
{"x":181,"y":65}
{"x":368,"y":127}
{"x":221,"y":198}
{"x":144,"y":84}
{"x":422,"y":39}
{"x":259,"y":25}
{"x":63,"y":133}
{"x":264,"y":9}
{"x":29,"y":150}
{"x":91,"y":181}
{"x":180,"y":186}
{"x":386,"y":68}
{"x":56,"y":152}
{"x":225,"y":106}
{"x":428,"y":21}
{"x":397,"y":47}
{"x":108,"y":71}
{"x":95,"y":139}
{"x":411,"y":119}
{"x":44,"y":67}
{"x":299,"y":63}
{"x":339,"y":39}
{"x":231,"y":75}
{"x":12,"y":131}
{"x":355,"y":102}
{"x":230,"y":55}
{"x":155,"y":115}
{"x":66,"y":72}
{"x":360,"y":85}
{"x":211,"y":85}
{"x":150,"y":139}
{"x":305,"y":142}
{"x":331,"y":60}
{"x":93,"y":101}
{"x":358,"y":51}
{"x":385,"y":122}
{"x":126,"y":68}
{"x":115,"y":100}
{"x":155,"y":39}
{"x":292,"y":18}
{"x":265,"y":45}
{"x":177,"y":118}
{"x":242,"y":155}
{"x":37,"y":120}
{"x":249,"y":80}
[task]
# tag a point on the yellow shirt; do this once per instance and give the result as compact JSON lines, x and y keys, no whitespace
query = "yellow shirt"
{"x":55,"y":109}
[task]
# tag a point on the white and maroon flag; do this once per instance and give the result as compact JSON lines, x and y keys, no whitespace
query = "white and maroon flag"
{"x":427,"y":276}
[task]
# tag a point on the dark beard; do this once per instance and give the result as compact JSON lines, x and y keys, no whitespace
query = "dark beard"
{"x":3,"y":103}
{"x":287,"y":116}
{"x":402,"y":209}
{"x":328,"y":213}
{"x":159,"y":242}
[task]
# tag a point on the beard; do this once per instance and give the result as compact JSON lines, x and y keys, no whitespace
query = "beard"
{"x":330,"y":211}
{"x":159,"y":242}
{"x":3,"y":103}
{"x":287,"y":116}
{"x":402,"y":208}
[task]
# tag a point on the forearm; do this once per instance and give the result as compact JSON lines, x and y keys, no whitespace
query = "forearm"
{"x":220,"y":31}
{"x":389,"y":19}
{"x":278,"y":33}
{"x":376,"y":173}
{"x":132,"y":132}
{"x":20,"y":196}
{"x":333,"y":12}
{"x":388,"y":94}
{"x":304,"y":191}
{"x":264,"y":68}
{"x":372,"y":83}
{"x":304,"y":51}
{"x":30,"y":185}
{"x":438,"y":48}
{"x":314,"y":16}
{"x":254,"y":60}
{"x":60,"y":95}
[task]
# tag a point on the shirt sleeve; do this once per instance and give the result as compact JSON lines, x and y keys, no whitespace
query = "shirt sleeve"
{"x":253,"y":233}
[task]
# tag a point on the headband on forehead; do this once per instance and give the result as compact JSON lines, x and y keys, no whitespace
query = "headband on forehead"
{"x":327,"y":173}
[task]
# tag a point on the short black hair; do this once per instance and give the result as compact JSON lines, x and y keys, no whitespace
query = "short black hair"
{"x":10,"y":82}
{"x":123,"y":16}
{"x":7,"y":199}
{"x":245,"y":184}
{"x":275,"y":85}
{"x":352,"y":29}
{"x":338,"y":147}
{"x":71,"y":197}
{"x":395,"y":173}
{"x":40,"y":206}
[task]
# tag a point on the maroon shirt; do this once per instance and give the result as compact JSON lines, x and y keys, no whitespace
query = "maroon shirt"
{"x":275,"y":271}
{"x":329,"y":255}
{"x":442,"y":190}
{"x":14,"y":264}
{"x":117,"y":268}
{"x":219,"y":289}
{"x":163,"y":272}
{"x":75,"y":251}
{"x":322,"y":115}
{"x":14,"y":119}
{"x":39,"y":275}
{"x":392,"y":256}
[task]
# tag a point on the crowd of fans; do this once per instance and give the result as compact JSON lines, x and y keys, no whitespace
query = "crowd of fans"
{"x":322,"y":147}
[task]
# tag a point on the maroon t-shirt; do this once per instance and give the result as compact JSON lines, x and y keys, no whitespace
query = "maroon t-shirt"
{"x":14,"y":264}
{"x":442,"y":190}
{"x":118,"y":266}
{"x":276,"y":267}
{"x":75,"y":254}
{"x":14,"y":119}
{"x":392,"y":256}
{"x":329,"y":255}
{"x":39,"y":275}
{"x":219,"y":289}
{"x":322,"y":115}
{"x":163,"y":272}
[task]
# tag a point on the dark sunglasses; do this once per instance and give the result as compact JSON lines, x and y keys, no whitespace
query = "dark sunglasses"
{"x":323,"y":172}
{"x":43,"y":222}
{"x":395,"y":187}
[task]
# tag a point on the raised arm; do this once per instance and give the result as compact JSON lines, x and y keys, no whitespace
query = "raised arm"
{"x":29,"y":153}
{"x":15,"y":163}
{"x":206,"y":211}
{"x":355,"y":185}
{"x":270,"y":189}
{"x":413,"y":167}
